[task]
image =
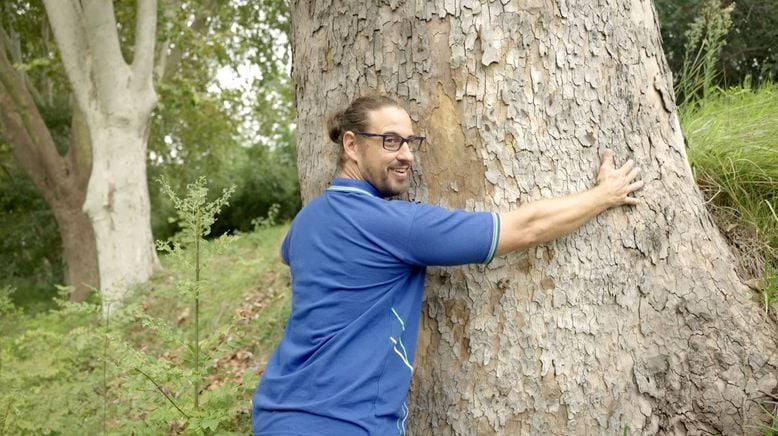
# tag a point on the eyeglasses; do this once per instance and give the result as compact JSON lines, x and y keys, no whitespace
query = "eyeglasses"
{"x":393,"y":141}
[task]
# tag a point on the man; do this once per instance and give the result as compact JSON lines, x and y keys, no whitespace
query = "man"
{"x":358,"y":263}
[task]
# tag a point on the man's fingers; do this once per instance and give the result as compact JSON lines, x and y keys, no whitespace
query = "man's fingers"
{"x":631,"y":201}
{"x":634,"y":173}
{"x":607,"y":158}
{"x":635,"y":186}
{"x":627,"y":166}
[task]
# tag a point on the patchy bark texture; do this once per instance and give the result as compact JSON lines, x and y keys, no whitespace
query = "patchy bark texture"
{"x":635,"y":321}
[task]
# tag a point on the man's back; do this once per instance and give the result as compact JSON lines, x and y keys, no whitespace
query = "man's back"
{"x":358,"y":264}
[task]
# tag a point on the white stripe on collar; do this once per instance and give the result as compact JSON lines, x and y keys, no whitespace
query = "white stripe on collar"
{"x":349,"y":189}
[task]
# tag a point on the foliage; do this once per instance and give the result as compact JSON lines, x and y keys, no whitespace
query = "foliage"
{"x":6,"y":304}
{"x":196,"y":215}
{"x":704,"y":40}
{"x":770,"y":408}
{"x":264,"y":178}
{"x":218,"y":128}
{"x":46,"y":372}
{"x":269,"y":220}
{"x":733,"y":150}
{"x":57,"y":365}
{"x":30,"y":246}
{"x":751,"y":48}
{"x":236,"y":135}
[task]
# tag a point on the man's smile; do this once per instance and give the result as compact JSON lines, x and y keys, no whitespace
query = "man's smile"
{"x":399,"y":171}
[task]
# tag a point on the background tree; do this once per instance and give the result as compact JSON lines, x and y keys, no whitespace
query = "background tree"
{"x":198,"y":127}
{"x":636,"y":321}
{"x":58,"y":171}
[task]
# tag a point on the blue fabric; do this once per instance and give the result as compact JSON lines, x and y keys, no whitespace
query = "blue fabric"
{"x":358,"y":262}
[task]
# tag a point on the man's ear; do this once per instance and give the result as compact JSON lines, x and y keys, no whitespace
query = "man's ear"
{"x":350,"y":145}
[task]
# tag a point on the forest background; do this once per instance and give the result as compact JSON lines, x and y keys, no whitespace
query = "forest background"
{"x":229,"y":116}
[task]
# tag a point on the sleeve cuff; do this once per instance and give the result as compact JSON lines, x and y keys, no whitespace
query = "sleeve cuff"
{"x":495,"y":237}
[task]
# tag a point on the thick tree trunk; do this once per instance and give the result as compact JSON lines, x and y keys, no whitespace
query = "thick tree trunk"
{"x":116,"y":100}
{"x":636,"y":321}
{"x":78,"y":238}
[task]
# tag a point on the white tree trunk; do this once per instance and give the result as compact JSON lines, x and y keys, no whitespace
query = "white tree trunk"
{"x":635,"y":321}
{"x":118,"y":204}
{"x":116,"y":99}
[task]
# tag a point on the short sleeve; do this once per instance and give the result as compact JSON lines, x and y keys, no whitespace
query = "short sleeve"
{"x":438,"y":236}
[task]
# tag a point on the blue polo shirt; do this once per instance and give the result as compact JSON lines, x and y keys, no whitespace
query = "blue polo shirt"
{"x":358,"y":261}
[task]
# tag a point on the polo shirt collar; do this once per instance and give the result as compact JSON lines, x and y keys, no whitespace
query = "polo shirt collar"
{"x":352,"y":185}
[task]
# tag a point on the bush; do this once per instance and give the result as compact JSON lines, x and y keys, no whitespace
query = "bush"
{"x":30,"y":245}
{"x":71,"y":371}
{"x":264,"y":180}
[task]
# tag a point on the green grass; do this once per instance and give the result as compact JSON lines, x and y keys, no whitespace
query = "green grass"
{"x":57,"y":355}
{"x":732,"y":143}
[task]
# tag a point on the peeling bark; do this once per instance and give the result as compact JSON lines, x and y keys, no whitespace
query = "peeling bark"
{"x":635,"y":321}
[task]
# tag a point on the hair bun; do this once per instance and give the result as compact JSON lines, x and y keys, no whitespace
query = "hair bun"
{"x":335,"y":127}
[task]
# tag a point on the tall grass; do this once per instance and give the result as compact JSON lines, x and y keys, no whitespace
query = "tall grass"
{"x":705,"y":36}
{"x":732,"y":143}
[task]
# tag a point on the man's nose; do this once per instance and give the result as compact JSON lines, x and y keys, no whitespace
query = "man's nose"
{"x":405,"y":153}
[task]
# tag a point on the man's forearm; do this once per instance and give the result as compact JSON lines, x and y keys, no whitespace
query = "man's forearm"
{"x":545,"y":220}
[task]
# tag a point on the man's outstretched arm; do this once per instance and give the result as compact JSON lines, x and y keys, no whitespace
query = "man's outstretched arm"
{"x":545,"y":220}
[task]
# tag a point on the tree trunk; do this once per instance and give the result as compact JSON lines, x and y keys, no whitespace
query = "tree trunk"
{"x":118,"y":204}
{"x":116,"y":99}
{"x":62,"y":180}
{"x":78,"y":246}
{"x":637,"y":321}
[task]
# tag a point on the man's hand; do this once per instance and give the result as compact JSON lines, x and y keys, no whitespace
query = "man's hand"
{"x":544,"y":220}
{"x":615,"y":185}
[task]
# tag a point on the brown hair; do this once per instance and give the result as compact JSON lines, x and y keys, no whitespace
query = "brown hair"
{"x":354,"y":118}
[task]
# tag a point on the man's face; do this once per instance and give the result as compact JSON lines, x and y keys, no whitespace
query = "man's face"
{"x":388,"y":171}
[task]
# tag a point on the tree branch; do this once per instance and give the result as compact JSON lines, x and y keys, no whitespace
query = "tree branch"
{"x":6,"y":170}
{"x":13,"y":45}
{"x":173,"y":58}
{"x":66,"y":18}
{"x":170,"y":8}
{"x":47,"y":85}
{"x":164,"y":51}
{"x":26,"y":132}
{"x":80,"y":151}
{"x":111,"y":72}
{"x":145,"y":37}
{"x":159,"y":388}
